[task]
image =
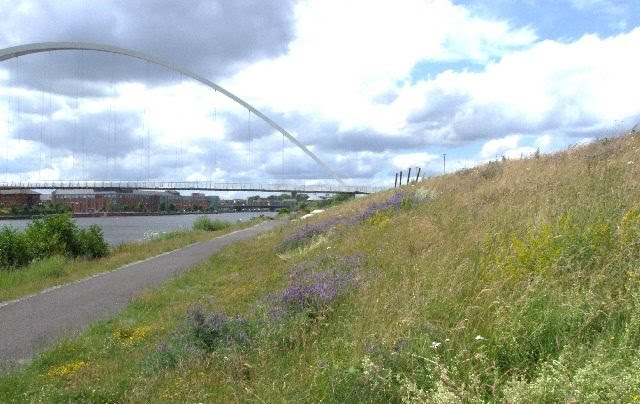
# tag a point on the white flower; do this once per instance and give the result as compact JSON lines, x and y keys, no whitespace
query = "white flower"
{"x":479,"y":337}
{"x":435,"y":344}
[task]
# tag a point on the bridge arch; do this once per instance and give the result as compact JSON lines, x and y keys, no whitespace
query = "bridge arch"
{"x":22,"y":50}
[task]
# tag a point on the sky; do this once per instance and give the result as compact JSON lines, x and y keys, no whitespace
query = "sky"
{"x":371,"y":87}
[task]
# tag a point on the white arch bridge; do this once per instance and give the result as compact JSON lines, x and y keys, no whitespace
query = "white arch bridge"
{"x":339,"y":187}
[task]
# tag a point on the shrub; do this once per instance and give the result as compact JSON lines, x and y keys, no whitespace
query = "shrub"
{"x":14,"y":250}
{"x":206,"y":224}
{"x":92,"y":243}
{"x":53,"y":235}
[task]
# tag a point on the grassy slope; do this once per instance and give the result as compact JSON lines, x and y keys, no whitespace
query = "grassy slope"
{"x":520,"y":282}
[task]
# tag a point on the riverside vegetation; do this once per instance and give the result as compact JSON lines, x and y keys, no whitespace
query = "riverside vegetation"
{"x":53,"y":251}
{"x":513,"y":281}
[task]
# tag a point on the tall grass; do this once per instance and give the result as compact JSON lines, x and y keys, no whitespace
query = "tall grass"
{"x":516,"y":281}
{"x":205,"y":224}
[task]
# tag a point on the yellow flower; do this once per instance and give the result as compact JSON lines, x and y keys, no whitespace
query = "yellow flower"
{"x":65,"y":370}
{"x":129,"y":337}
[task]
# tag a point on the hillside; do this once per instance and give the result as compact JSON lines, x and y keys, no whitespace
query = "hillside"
{"x":514,"y":281}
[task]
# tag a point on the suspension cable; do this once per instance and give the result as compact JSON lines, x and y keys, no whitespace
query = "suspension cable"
{"x":44,"y":71}
{"x":18,"y":114}
{"x":249,"y":160}
{"x":82,"y":136}
{"x":50,"y":121}
{"x":75,"y":122}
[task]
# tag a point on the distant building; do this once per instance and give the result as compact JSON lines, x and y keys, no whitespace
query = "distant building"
{"x":19,"y":197}
{"x":90,"y":201}
{"x":213,"y":201}
{"x":83,"y":200}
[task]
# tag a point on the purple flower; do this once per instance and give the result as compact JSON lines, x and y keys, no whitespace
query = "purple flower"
{"x":211,"y":330}
{"x":308,"y":232}
{"x":393,"y":202}
{"x":313,"y":285}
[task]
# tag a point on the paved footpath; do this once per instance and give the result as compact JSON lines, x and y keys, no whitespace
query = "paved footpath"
{"x":29,"y":324}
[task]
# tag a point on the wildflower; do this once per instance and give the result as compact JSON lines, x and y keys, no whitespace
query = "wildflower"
{"x":130,"y":337}
{"x":435,"y":345}
{"x":314,"y":285}
{"x":213,"y":329}
{"x":479,"y":337}
{"x":67,"y":369}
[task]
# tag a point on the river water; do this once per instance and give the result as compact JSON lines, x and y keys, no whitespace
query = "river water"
{"x":120,"y":229}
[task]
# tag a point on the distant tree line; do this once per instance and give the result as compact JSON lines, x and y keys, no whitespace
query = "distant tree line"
{"x":40,"y":209}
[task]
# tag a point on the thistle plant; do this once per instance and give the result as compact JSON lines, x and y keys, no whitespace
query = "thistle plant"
{"x":216,"y":329}
{"x":314,"y":285}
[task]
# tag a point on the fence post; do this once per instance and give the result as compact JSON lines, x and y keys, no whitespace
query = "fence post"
{"x":400,"y":178}
{"x":418,"y":176}
{"x":408,"y":175}
{"x":395,"y":185}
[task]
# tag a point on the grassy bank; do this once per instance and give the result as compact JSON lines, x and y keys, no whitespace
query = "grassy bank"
{"x":58,"y":270}
{"x":515,"y":281}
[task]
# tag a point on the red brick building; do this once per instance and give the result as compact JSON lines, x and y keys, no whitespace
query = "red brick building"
{"x":90,"y":201}
{"x":19,"y":197}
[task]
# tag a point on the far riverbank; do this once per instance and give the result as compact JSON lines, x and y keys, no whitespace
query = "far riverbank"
{"x":127,"y":214}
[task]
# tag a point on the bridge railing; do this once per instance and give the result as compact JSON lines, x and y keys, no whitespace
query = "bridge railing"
{"x":193,"y":186}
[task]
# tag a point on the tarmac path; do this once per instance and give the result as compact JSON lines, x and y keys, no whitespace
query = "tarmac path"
{"x":29,"y":324}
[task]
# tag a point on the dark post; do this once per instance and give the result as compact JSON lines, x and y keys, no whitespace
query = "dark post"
{"x":396,"y":183}
{"x":400,"y":178}
{"x":408,"y":175}
{"x":418,"y":176}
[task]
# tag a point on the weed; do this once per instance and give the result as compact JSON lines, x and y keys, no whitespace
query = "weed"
{"x":314,"y":285}
{"x":213,"y":330}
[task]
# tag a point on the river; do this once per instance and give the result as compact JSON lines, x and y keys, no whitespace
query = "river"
{"x":121,"y":229}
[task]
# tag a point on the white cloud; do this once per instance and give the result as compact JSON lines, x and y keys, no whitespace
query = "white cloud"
{"x":347,"y":54}
{"x":551,"y":88}
{"x":350,"y":68}
{"x":406,"y":160}
{"x":497,"y":147}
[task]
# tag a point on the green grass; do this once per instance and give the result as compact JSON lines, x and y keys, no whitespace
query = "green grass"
{"x":206,"y":224}
{"x":59,"y":270}
{"x":515,"y":281}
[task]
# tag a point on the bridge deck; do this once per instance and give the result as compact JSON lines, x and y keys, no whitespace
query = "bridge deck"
{"x":195,"y":186}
